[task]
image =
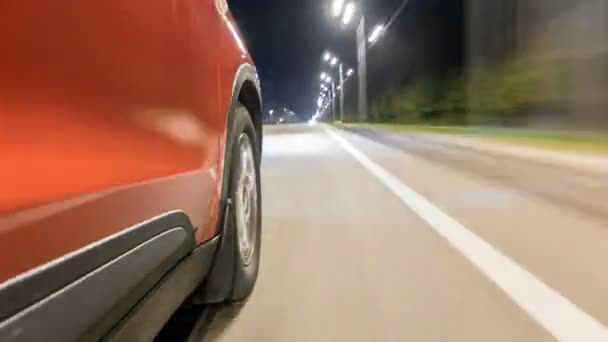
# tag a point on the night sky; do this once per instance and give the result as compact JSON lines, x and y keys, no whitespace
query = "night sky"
{"x":287,"y":38}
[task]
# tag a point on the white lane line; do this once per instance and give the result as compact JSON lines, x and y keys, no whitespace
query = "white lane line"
{"x":559,"y":316}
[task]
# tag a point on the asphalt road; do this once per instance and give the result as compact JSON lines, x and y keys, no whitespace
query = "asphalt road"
{"x":371,"y":240}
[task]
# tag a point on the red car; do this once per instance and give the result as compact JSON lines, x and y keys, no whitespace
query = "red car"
{"x":129,"y":165}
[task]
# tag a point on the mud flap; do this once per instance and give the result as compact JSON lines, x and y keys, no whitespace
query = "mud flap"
{"x":218,"y":286}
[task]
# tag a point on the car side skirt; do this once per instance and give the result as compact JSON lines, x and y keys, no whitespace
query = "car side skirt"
{"x":86,"y":294}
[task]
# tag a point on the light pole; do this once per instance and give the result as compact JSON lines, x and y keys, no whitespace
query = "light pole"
{"x":347,"y":11}
{"x":333,"y":101}
{"x":332,"y":95}
{"x":333,"y":60}
{"x":341,"y":88}
{"x":362,"y":63}
{"x":332,"y":92}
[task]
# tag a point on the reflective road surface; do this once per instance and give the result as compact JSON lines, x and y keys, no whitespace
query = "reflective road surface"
{"x":368,"y":239}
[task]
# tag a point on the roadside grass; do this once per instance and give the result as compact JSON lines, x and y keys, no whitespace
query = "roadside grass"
{"x":558,"y":140}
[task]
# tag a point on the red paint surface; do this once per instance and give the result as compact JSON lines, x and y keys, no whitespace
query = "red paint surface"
{"x":122,"y":99}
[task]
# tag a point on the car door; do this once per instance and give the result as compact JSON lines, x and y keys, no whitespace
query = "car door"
{"x":110,"y":119}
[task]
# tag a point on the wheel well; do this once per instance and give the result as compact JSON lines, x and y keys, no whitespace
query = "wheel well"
{"x":250,"y":98}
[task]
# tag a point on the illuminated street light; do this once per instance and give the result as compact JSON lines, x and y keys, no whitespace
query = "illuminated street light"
{"x":336,"y":8}
{"x":349,"y":13}
{"x":350,"y":72}
{"x":376,"y":33}
{"x":334,"y":61}
{"x":324,"y":76}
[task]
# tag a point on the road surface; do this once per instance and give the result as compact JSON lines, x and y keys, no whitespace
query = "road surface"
{"x":410,"y":241}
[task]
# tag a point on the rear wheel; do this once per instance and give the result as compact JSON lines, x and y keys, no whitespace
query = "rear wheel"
{"x":245,"y":217}
{"x":238,"y":259}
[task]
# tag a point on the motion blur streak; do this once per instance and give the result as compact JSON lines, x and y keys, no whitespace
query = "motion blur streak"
{"x":420,"y":240}
{"x":557,"y":314}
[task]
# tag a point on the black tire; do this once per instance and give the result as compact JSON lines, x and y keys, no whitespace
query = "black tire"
{"x":245,"y":273}
{"x":243,"y":278}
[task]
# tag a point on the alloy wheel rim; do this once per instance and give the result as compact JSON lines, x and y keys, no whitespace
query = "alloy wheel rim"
{"x":246,"y":200}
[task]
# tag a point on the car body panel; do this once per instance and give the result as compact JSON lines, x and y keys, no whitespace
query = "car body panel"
{"x":112,"y":112}
{"x":154,"y":261}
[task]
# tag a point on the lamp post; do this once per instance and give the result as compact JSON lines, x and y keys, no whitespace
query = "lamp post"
{"x":347,"y":11}
{"x":362,"y":64}
{"x":332,"y":96}
{"x":333,"y":60}
{"x":341,"y":88}
{"x":332,"y":92}
{"x":333,"y":102}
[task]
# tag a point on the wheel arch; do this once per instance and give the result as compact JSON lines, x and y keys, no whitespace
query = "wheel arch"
{"x":247,"y":92}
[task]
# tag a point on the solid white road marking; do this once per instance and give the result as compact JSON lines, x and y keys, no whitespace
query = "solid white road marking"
{"x":559,"y":316}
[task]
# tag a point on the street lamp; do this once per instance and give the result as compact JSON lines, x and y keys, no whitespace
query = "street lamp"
{"x":336,"y":8}
{"x":326,"y":56}
{"x":332,"y":60}
{"x":349,"y":13}
{"x":331,"y":89}
{"x":376,"y":33}
{"x":350,"y":72}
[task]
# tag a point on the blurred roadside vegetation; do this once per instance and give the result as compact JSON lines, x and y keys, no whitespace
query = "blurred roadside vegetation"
{"x":525,"y":99}
{"x":509,"y":94}
{"x":562,"y":140}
